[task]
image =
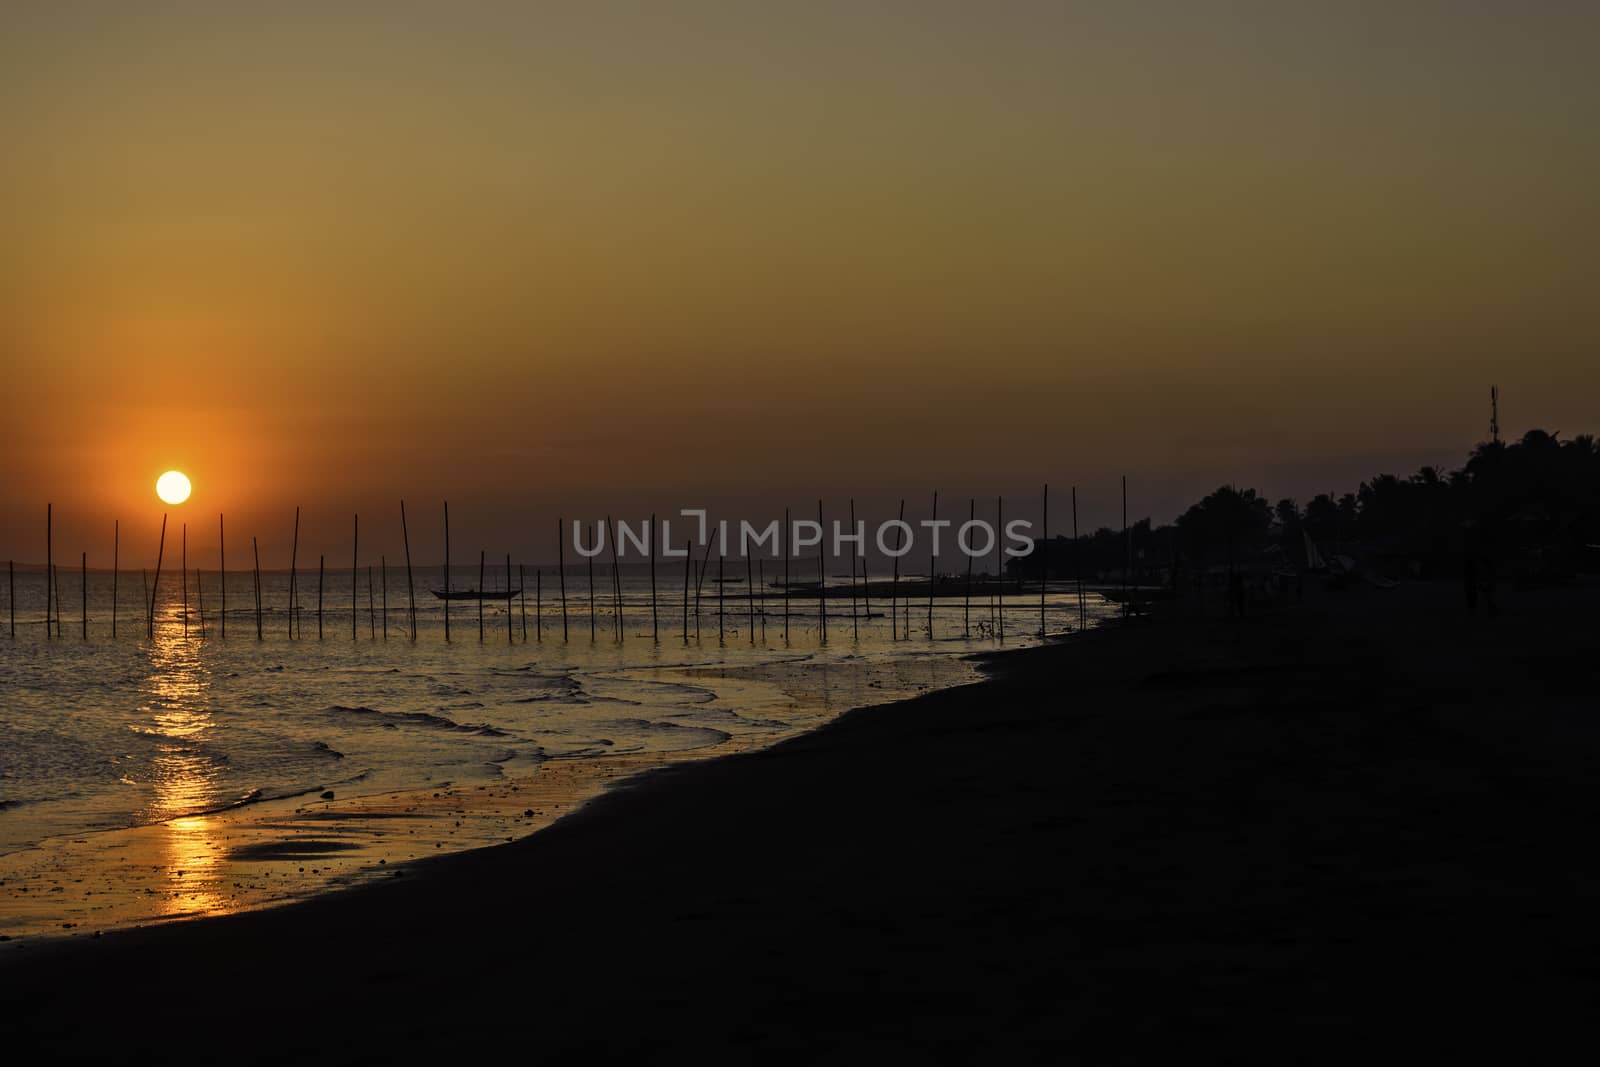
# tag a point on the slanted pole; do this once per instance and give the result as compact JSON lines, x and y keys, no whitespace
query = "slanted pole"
{"x":155,"y":585}
{"x":255,"y":549}
{"x":411,"y":586}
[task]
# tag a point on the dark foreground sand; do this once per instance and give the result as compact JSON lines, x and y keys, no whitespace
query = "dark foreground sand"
{"x":1365,"y":824}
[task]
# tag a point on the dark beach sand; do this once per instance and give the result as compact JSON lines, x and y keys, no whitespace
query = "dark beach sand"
{"x":1363,"y":824}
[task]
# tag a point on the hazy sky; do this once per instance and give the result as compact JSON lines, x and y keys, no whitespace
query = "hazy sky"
{"x":603,"y":257}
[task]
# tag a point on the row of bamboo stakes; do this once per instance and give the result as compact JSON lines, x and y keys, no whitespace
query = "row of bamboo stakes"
{"x":900,"y":625}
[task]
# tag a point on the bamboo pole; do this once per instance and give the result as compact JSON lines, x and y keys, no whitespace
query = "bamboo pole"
{"x":83,"y":582}
{"x":447,"y":571}
{"x":616,"y":578}
{"x":481,"y":558}
{"x":1044,"y":555}
{"x":183,"y":566}
{"x":222,"y":572}
{"x":116,"y":559}
{"x":411,"y":585}
{"x":322,"y":568}
{"x":49,"y":562}
{"x":255,"y":548}
{"x":294,"y":586}
{"x":787,"y":539}
{"x":894,"y":583}
{"x":1077,"y":561}
{"x":699,"y":583}
{"x":855,"y":623}
{"x":561,"y":573}
{"x":822,"y":578}
{"x":966,"y":604}
{"x":592,"y":634}
{"x":933,"y":562}
{"x":155,"y":585}
{"x":1000,"y":567}
{"x":655,"y":616}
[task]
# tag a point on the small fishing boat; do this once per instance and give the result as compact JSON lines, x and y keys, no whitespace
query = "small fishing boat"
{"x":473,"y":594}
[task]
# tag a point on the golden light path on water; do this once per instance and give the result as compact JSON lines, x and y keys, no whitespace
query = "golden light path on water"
{"x":182,"y":775}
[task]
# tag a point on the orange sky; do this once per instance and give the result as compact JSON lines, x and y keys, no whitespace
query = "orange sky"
{"x":610,"y":257}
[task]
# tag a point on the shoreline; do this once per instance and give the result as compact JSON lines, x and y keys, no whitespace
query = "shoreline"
{"x":1254,"y":836}
{"x":283,"y":850}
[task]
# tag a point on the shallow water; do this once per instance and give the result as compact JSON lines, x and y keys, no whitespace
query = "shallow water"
{"x":186,"y":729}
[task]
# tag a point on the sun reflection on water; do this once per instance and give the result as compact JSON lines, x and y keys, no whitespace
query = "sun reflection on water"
{"x":183,"y":774}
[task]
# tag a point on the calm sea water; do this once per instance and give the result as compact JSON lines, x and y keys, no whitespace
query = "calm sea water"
{"x":109,"y":732}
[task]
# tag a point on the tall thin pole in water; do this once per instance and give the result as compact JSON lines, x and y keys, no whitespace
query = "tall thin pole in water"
{"x":49,"y":561}
{"x":355,"y":555}
{"x":699,"y":583}
{"x":786,"y":539}
{"x":720,"y":587}
{"x":480,"y":594}
{"x":855,"y":623}
{"x":590,"y":558}
{"x":1077,"y":560}
{"x":761,"y":583}
{"x":933,"y":561}
{"x":155,"y":585}
{"x":655,"y":617}
{"x":447,"y":570}
{"x":1000,"y":567}
{"x":11,"y":580}
{"x":222,"y":572}
{"x":116,"y":554}
{"x":966,"y":605}
{"x":866,"y":589}
{"x":200,"y":595}
{"x":183,"y":566}
{"x":510,"y":639}
{"x":83,"y":581}
{"x":57,"y":577}
{"x":822,"y":578}
{"x":688,"y":565}
{"x":1044,"y":554}
{"x":894,"y":583}
{"x":294,"y":586}
{"x":616,"y":577}
{"x":522,"y":593}
{"x":322,"y":568}
{"x":411,"y":586}
{"x":538,"y":605}
{"x":561,"y":572}
{"x":383,"y":569}
{"x":255,"y":549}
{"x":372,"y":612}
{"x":750,"y":595}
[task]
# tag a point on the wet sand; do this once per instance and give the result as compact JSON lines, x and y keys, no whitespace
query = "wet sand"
{"x":1357,"y":825}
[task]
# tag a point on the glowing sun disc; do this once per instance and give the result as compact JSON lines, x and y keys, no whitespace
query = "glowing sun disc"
{"x":173,"y":487}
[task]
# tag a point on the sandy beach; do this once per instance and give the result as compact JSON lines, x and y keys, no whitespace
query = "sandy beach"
{"x":1358,"y":823}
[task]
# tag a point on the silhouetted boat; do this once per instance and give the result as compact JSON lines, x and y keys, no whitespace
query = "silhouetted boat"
{"x":473,"y":594}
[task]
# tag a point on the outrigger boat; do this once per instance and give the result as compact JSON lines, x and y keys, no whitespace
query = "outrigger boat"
{"x":473,"y":594}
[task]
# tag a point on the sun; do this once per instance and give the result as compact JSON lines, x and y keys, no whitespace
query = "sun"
{"x":173,"y":487}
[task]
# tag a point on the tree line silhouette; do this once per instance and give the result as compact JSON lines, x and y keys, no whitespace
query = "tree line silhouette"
{"x":1533,"y":503}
